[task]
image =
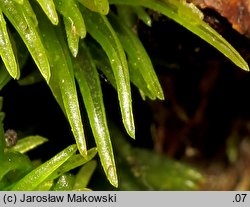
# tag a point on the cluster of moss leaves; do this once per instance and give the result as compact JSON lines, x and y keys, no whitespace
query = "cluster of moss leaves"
{"x":138,"y":169}
{"x":54,"y":33}
{"x":19,"y":172}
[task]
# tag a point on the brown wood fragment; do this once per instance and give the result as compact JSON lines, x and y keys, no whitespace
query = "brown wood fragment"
{"x":237,"y":12}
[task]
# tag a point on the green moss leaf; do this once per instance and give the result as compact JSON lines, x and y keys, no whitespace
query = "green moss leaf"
{"x":101,"y":61}
{"x":73,"y":162}
{"x":32,"y":78}
{"x":103,"y":64}
{"x":38,"y":175}
{"x":45,"y":186}
{"x":88,"y":79}
{"x":48,"y":7}
{"x":100,"y":6}
{"x":19,"y":1}
{"x":28,"y":143}
{"x":137,"y":57}
{"x":73,"y":21}
{"x":22,"y":54}
{"x":190,"y":17}
{"x":101,"y":30}
{"x":143,"y":15}
{"x":6,"y":50}
{"x":14,"y":165}
{"x":127,"y":15}
{"x":62,"y":81}
{"x":154,"y":171}
{"x":84,"y":174}
{"x":23,"y":19}
{"x":64,"y":183}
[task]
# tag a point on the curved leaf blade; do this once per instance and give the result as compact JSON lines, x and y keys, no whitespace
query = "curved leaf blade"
{"x":28,"y":143}
{"x":191,"y":20}
{"x":6,"y":50}
{"x":38,"y":175}
{"x":127,"y":15}
{"x":100,"y":6}
{"x":73,"y":21}
{"x":137,"y":56}
{"x":101,"y":61}
{"x":22,"y":54}
{"x":62,"y":81}
{"x":88,"y":79}
{"x":14,"y":162}
{"x":25,"y":25}
{"x":143,"y":15}
{"x":72,"y":38}
{"x":84,"y":174}
{"x":64,"y":183}
{"x":103,"y":64}
{"x":48,"y":7}
{"x":73,"y":162}
{"x":101,"y":30}
{"x":19,"y":1}
{"x":45,"y":186}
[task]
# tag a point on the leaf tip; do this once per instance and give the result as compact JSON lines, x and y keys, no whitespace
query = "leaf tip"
{"x":131,"y":132}
{"x":82,"y":149}
{"x":54,"y":20}
{"x":112,"y":176}
{"x":160,"y":94}
{"x":46,"y":75}
{"x":245,"y":67}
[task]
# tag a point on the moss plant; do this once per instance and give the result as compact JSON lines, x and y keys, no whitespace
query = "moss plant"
{"x":53,"y":33}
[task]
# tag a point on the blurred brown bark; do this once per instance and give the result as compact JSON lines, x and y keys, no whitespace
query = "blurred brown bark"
{"x":237,"y":12}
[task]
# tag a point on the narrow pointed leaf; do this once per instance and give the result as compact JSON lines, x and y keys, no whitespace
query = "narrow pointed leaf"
{"x":4,"y":76}
{"x":45,"y":186}
{"x":84,"y":175}
{"x":188,"y":16}
{"x":72,"y":38}
{"x":62,"y":81}
{"x":143,"y":15}
{"x":138,"y":80}
{"x":28,"y":143}
{"x":17,"y":162}
{"x":73,"y":21}
{"x":73,"y":162}
{"x":101,"y":30}
{"x":101,"y":61}
{"x":29,"y":12}
{"x":6,"y":50}
{"x":26,"y":27}
{"x":22,"y":54}
{"x":19,"y":1}
{"x":127,"y":15}
{"x":137,"y":56}
{"x":64,"y":183}
{"x":70,"y":10}
{"x":100,"y":6}
{"x":88,"y":79}
{"x":103,"y":64}
{"x":48,"y":7}
{"x":38,"y":175}
{"x":30,"y":79}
